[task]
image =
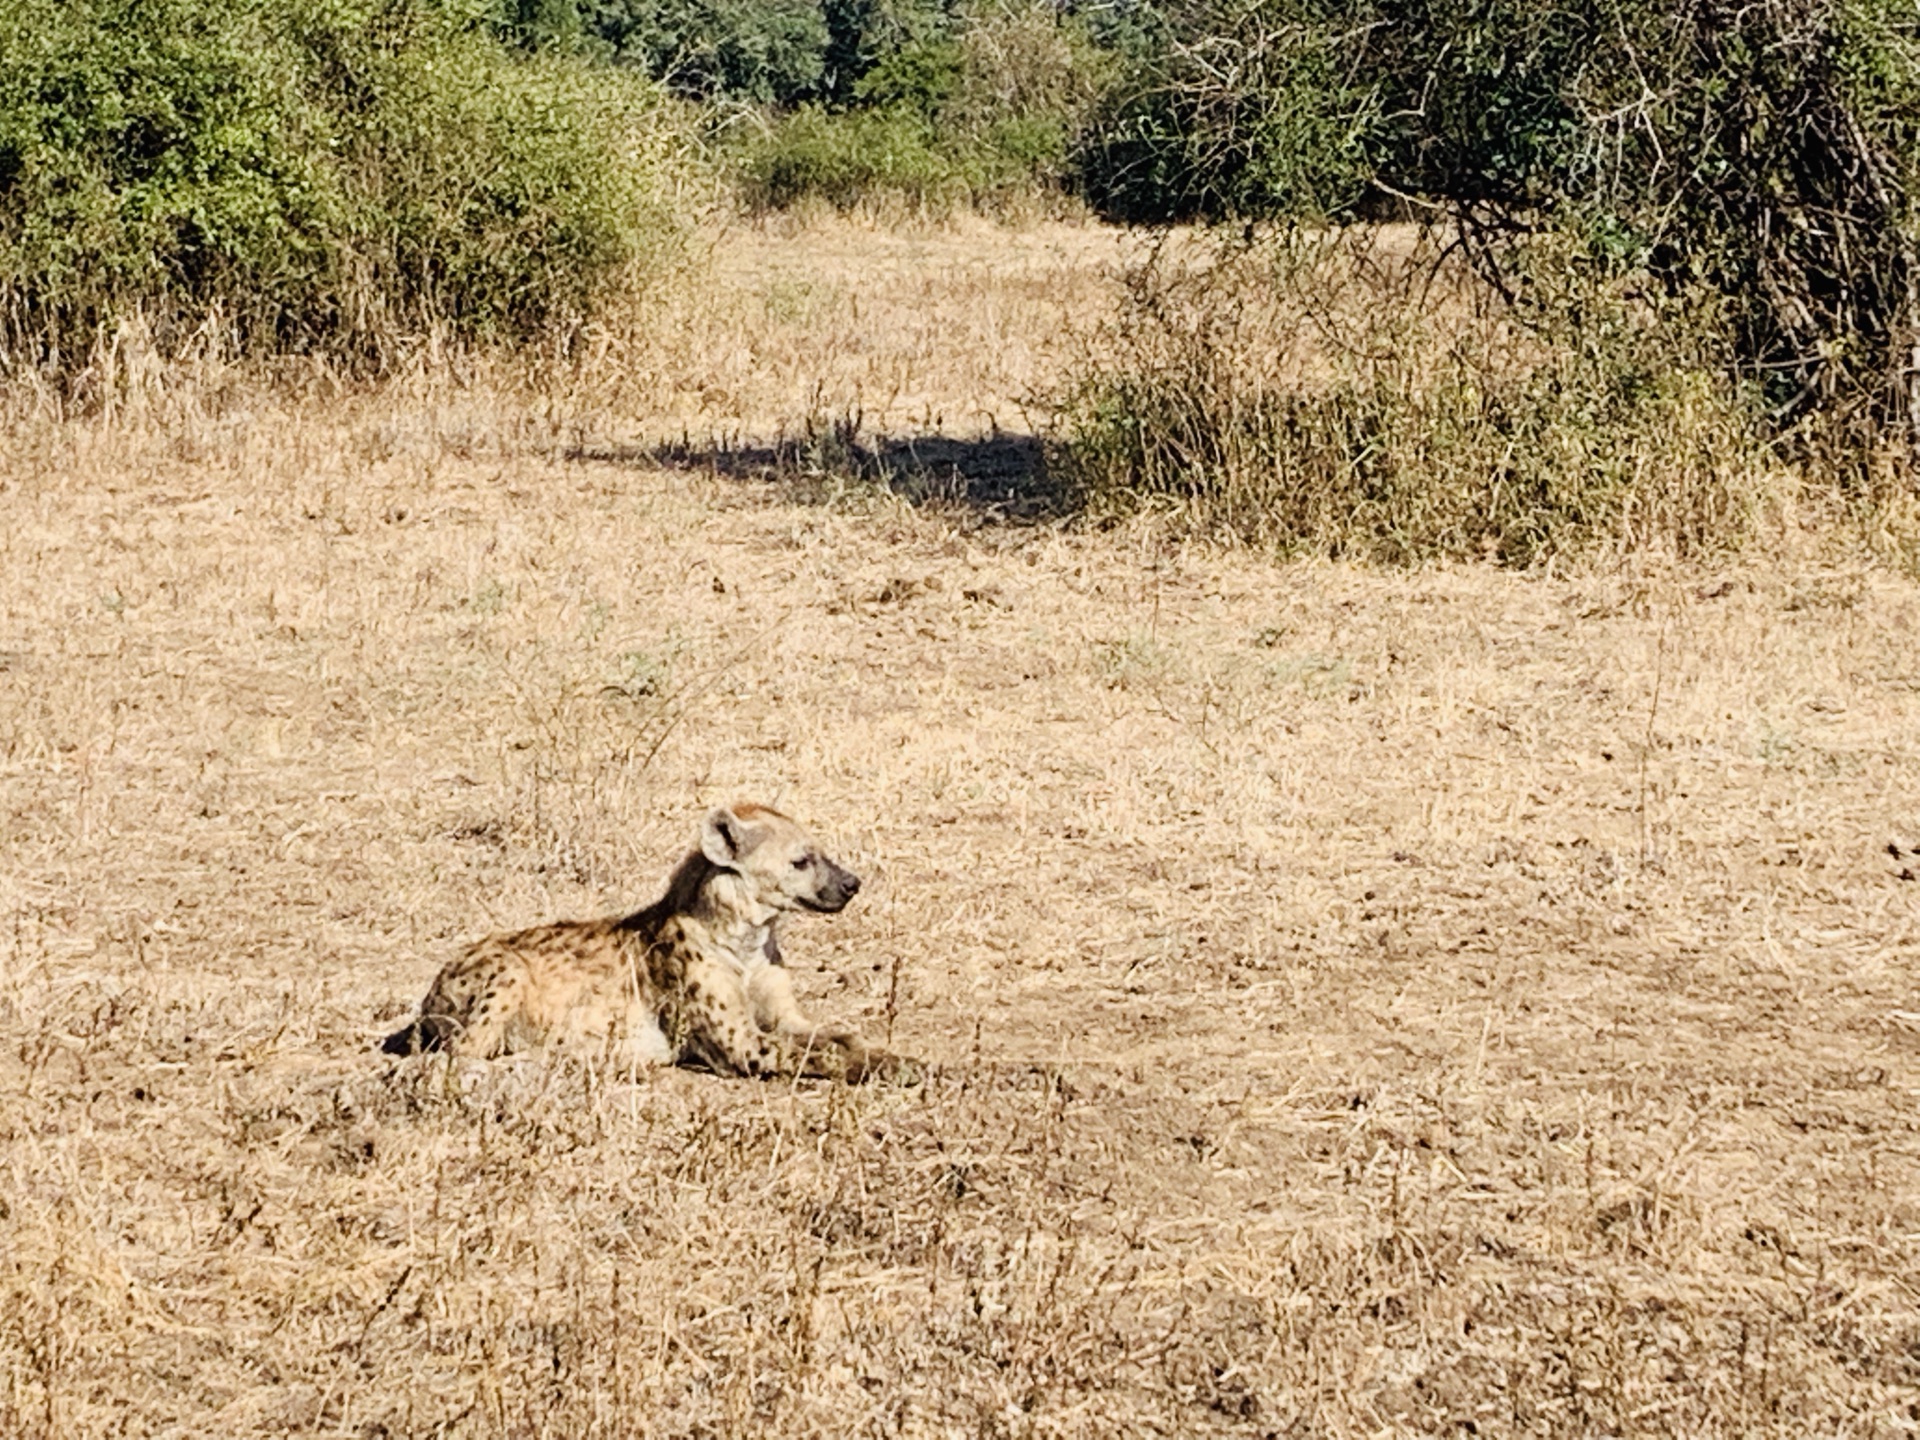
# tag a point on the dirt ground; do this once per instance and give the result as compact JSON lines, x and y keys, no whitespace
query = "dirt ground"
{"x":1357,"y":1003}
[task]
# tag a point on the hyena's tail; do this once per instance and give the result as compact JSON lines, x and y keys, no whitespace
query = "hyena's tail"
{"x":427,"y":1032}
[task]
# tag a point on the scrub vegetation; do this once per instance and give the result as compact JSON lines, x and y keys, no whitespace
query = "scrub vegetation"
{"x":1360,"y":633}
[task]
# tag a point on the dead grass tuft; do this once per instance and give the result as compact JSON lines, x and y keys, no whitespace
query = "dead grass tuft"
{"x":1362,"y":394}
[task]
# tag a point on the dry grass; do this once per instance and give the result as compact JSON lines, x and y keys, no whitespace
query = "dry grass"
{"x":935,"y":329}
{"x":1433,"y":1003}
{"x":1363,"y":394}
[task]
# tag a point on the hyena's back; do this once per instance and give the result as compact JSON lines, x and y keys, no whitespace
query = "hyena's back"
{"x":506,"y":992}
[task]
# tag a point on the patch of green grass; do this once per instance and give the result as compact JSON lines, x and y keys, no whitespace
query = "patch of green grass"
{"x":642,"y":675}
{"x":1130,"y":661}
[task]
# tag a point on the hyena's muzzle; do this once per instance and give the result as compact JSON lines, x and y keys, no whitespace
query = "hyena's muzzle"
{"x":837,"y":885}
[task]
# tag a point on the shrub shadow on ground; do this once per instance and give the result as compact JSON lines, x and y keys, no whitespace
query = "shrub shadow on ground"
{"x":1000,"y":478}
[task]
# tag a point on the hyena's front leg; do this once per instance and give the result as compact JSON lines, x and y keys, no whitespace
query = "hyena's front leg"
{"x":719,"y":1026}
{"x":734,"y":1044}
{"x":770,"y":992}
{"x":837,"y":1053}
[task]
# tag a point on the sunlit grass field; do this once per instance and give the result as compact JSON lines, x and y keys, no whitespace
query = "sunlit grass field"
{"x":1444,"y":1001}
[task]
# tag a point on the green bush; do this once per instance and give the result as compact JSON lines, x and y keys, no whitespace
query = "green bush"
{"x":1028,"y":80}
{"x":981,"y":111}
{"x":1233,"y":110}
{"x":846,"y":157}
{"x":764,"y":52}
{"x":330,"y":175}
{"x":1768,"y":150}
{"x":921,"y":75}
{"x":784,"y":53}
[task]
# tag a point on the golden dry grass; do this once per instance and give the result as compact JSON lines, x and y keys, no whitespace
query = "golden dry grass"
{"x":1363,"y":1003}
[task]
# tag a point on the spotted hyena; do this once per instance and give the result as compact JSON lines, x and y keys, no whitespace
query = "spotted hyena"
{"x":697,"y":977}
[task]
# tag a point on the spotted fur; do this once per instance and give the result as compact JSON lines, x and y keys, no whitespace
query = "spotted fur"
{"x":695,"y":978}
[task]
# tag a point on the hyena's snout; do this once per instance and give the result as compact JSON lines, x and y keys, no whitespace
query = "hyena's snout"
{"x":837,"y":886}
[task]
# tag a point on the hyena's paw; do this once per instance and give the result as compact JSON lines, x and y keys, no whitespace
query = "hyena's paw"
{"x":826,"y":1054}
{"x":883,"y":1067}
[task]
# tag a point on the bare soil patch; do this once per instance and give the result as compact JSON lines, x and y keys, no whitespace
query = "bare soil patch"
{"x":1360,"y":1003}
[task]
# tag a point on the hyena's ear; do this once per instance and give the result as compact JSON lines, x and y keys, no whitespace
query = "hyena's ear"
{"x":723,"y":839}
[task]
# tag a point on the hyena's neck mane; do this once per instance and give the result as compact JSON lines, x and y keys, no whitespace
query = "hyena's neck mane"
{"x":720,"y":899}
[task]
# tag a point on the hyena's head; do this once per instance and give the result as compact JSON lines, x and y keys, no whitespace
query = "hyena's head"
{"x":782,"y":865}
